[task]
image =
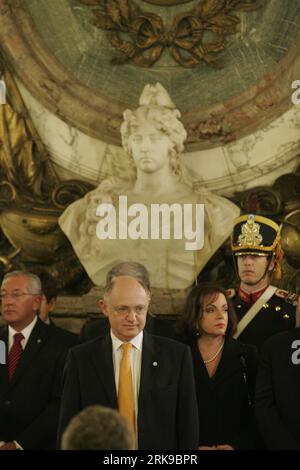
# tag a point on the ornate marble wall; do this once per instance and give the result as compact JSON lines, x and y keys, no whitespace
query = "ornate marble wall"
{"x":65,"y":61}
{"x":257,"y":159}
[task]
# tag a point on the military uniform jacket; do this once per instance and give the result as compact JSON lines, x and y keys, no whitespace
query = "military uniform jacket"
{"x":277,"y":315}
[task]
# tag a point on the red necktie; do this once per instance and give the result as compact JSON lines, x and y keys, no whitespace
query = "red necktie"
{"x":14,"y":355}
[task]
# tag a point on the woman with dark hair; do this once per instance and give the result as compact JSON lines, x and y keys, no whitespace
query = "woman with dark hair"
{"x":225,"y":370}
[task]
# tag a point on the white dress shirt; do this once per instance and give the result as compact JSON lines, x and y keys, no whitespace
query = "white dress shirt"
{"x":26,"y":333}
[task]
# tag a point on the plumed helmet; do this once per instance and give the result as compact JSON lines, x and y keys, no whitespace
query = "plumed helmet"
{"x":257,"y":235}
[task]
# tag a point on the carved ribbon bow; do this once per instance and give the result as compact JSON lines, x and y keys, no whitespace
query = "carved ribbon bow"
{"x":185,"y":40}
{"x":185,"y":36}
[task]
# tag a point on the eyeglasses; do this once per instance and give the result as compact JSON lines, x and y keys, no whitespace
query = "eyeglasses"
{"x":124,"y":310}
{"x":14,"y":296}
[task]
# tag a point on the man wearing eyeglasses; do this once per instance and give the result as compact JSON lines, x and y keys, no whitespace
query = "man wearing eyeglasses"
{"x":94,"y":328}
{"x":30,"y":380}
{"x":160,"y":402}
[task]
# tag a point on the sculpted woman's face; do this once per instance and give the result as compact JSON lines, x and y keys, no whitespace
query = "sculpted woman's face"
{"x":150,"y":148}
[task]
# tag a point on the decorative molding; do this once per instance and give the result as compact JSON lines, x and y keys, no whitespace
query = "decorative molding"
{"x":213,"y":128}
{"x":95,"y":114}
{"x":187,"y":39}
{"x":167,"y":3}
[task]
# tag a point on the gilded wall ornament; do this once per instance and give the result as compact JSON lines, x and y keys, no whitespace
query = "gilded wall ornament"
{"x":196,"y":35}
{"x":167,"y":3}
{"x":25,"y":168}
{"x":31,"y":195}
{"x":291,"y":238}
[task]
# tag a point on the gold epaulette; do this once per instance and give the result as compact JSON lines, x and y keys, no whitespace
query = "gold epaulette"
{"x":288,"y":296}
{"x":231,"y":293}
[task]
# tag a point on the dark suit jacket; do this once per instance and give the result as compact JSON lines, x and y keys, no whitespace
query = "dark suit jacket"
{"x":29,"y":405}
{"x":167,"y":407}
{"x":278,"y":392}
{"x":100,"y":327}
{"x":275,"y":316}
{"x":225,"y":413}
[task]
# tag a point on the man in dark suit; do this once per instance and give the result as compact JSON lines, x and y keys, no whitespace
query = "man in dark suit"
{"x":49,"y":296}
{"x":262,"y":309}
{"x":100,"y":326}
{"x":278,"y":390}
{"x":31,"y":379}
{"x":163,"y":389}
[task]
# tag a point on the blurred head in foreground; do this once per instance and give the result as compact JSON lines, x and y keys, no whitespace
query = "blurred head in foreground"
{"x":97,"y":428}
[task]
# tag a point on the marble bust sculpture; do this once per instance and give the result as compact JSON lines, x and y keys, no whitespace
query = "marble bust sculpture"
{"x":153,"y":137}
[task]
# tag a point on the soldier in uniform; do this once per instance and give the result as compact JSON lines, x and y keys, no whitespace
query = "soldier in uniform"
{"x":262,"y":309}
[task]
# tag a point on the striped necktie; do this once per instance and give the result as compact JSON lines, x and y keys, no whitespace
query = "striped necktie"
{"x":14,"y":355}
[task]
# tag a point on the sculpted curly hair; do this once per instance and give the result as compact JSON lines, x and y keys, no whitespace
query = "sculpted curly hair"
{"x":165,"y":120}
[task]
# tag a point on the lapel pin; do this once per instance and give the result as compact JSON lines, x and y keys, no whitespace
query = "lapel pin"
{"x":38,"y":341}
{"x":155,"y":364}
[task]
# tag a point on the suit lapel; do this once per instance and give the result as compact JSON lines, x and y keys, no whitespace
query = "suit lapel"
{"x":230,"y":361}
{"x":149,"y":367}
{"x":35,"y":342}
{"x":103,"y":363}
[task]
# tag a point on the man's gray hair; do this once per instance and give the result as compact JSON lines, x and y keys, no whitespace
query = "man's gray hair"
{"x":34,"y":284}
{"x":128,"y":268}
{"x":97,"y":428}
